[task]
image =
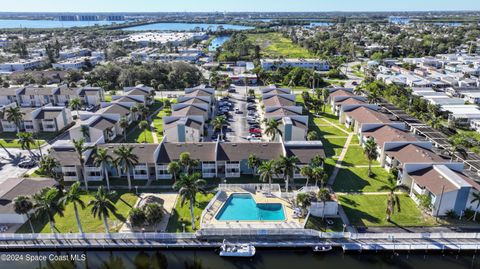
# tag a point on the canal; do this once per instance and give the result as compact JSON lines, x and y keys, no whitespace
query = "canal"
{"x":209,"y":259}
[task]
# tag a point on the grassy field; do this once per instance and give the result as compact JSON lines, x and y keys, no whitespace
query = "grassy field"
{"x":181,"y":214}
{"x":7,"y":143}
{"x":319,"y":224}
{"x":68,"y":222}
{"x":137,"y":136}
{"x":158,"y":122}
{"x":356,"y":179}
{"x":355,"y":156}
{"x":333,"y":146}
{"x":274,"y":45}
{"x":369,"y":210}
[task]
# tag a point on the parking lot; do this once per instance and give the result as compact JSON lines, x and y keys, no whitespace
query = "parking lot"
{"x":243,"y":120}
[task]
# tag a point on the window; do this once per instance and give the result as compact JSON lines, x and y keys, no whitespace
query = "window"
{"x":70,"y":174}
{"x":95,"y":174}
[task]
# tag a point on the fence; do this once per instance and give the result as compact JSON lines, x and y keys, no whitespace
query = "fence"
{"x":250,"y":187}
{"x":98,"y":236}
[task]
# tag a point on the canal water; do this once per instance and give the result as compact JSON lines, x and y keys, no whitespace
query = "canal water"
{"x":209,"y":259}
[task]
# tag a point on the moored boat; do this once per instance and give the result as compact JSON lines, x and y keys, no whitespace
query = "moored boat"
{"x":237,"y":250}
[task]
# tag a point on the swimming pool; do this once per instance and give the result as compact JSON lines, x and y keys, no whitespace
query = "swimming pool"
{"x":242,"y":207}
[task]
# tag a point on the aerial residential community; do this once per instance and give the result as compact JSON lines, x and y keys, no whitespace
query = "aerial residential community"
{"x":148,"y":138}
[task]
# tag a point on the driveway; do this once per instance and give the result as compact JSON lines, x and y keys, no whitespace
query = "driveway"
{"x":9,"y":163}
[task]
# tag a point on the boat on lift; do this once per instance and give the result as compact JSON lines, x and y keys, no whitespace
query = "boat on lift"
{"x":322,"y":248}
{"x":237,"y":250}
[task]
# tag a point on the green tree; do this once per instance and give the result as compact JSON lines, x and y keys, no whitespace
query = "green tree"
{"x":23,"y":205}
{"x":312,"y":136}
{"x":136,"y":217}
{"x":305,"y":200}
{"x":103,"y":205}
{"x":173,"y":169}
{"x":272,"y":128}
{"x":124,"y":125}
{"x":253,"y":162}
{"x":46,"y":202}
{"x":371,"y":152}
{"x":188,"y":187}
{"x":153,"y":214}
{"x":15,"y":115}
{"x":393,"y":199}
{"x":75,"y":104}
{"x":126,"y":159}
{"x":307,"y":172}
{"x":288,"y":166}
{"x":186,"y":161}
{"x":80,"y":148}
{"x":218,"y":123}
{"x":73,"y":196}
{"x":267,"y":172}
{"x":26,"y":141}
{"x":324,"y":196}
{"x":143,"y":125}
{"x":101,"y":158}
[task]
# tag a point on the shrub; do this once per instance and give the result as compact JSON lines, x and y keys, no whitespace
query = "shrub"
{"x":468,"y":214}
{"x":136,"y":217}
{"x":451,"y":214}
{"x":153,"y":214}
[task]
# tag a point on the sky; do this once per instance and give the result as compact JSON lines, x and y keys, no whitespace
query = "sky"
{"x":230,"y":5}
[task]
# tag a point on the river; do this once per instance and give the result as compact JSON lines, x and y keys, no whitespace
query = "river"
{"x":177,"y":26}
{"x":209,"y":259}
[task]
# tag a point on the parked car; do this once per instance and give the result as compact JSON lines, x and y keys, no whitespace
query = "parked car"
{"x":255,"y":130}
{"x":27,"y":164}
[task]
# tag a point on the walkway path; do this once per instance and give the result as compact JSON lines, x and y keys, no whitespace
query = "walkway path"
{"x":338,"y":164}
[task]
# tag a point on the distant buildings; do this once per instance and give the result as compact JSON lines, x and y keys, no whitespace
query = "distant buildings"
{"x":315,"y":64}
{"x":173,"y":38}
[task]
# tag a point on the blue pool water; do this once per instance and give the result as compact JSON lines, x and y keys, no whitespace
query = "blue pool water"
{"x":242,"y":206}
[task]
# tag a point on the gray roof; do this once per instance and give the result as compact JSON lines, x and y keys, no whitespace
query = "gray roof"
{"x":202,"y":151}
{"x":241,"y":151}
{"x":12,"y":188}
{"x":103,"y":123}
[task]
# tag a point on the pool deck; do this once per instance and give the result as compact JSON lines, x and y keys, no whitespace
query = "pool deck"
{"x":210,"y":221}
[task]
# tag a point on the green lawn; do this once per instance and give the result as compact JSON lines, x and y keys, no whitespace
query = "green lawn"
{"x":369,"y":210}
{"x":137,"y":136}
{"x":330,"y":130}
{"x":68,"y":222}
{"x":8,"y":143}
{"x":274,"y":45}
{"x":333,"y":146}
{"x":357,"y":180}
{"x":355,"y":156}
{"x":181,"y":214}
{"x":319,"y":224}
{"x":355,"y":140}
{"x":158,"y":122}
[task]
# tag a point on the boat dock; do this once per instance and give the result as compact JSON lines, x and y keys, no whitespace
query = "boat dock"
{"x":300,"y":238}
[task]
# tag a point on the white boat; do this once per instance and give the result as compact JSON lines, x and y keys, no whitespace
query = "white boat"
{"x":236,"y":250}
{"x":322,"y":248}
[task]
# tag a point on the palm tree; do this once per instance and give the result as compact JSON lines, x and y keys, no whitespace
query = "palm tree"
{"x":272,"y":129}
{"x":103,"y":205}
{"x":324,"y":196}
{"x":85,"y":130}
{"x":305,"y":199}
{"x":48,"y":166}
{"x":475,"y":199}
{"x":101,"y":158}
{"x":393,"y":199}
{"x":267,"y":171}
{"x":15,"y":115}
{"x":186,"y":161}
{"x":435,"y":122}
{"x":218,"y":123}
{"x":370,"y":151}
{"x":124,"y":125}
{"x":143,"y":111}
{"x":80,"y":148}
{"x":318,"y":173}
{"x":73,"y":196}
{"x":126,"y":159}
{"x":46,"y":203}
{"x":253,"y":162}
{"x":75,"y":104}
{"x":373,"y":97}
{"x":307,"y":172}
{"x":312,"y":136}
{"x":173,"y":169}
{"x":26,"y":141}
{"x":22,"y":205}
{"x":134,"y":111}
{"x":288,"y":165}
{"x":325,"y":95}
{"x":188,"y":186}
{"x":143,"y":125}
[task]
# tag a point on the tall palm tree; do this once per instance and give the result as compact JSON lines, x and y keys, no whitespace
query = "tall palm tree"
{"x":80,"y":148}
{"x":272,"y":129}
{"x":134,"y":111}
{"x":288,"y":166}
{"x":124,"y":125}
{"x":324,"y":196}
{"x":267,"y":171}
{"x":103,"y":205}
{"x":307,"y":172}
{"x":218,"y":123}
{"x":143,"y":110}
{"x":75,"y":104}
{"x":15,"y":115}
{"x":373,"y":97}
{"x":188,"y":186}
{"x":475,"y":199}
{"x":26,"y":141}
{"x":73,"y":196}
{"x":253,"y":162}
{"x":325,"y":95}
{"x":23,"y":205}
{"x":126,"y":159}
{"x":173,"y":169}
{"x":46,"y":202}
{"x":85,"y":130}
{"x":393,"y":199}
{"x":370,"y":151}
{"x":186,"y":161}
{"x":143,"y":125}
{"x":318,"y":173}
{"x":101,"y":158}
